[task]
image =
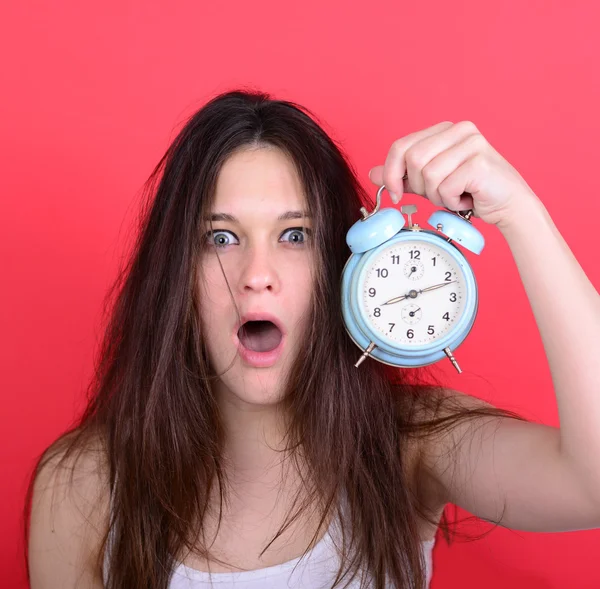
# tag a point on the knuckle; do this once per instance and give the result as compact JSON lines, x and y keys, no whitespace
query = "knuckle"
{"x":481,"y":162}
{"x":467,"y":127}
{"x":398,"y":145}
{"x":416,"y":160}
{"x":476,"y":140}
{"x":430,"y":174}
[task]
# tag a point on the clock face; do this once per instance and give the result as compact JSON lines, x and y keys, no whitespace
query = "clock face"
{"x":413,"y":293}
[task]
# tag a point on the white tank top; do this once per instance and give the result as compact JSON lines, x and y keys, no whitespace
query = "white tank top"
{"x":317,"y":570}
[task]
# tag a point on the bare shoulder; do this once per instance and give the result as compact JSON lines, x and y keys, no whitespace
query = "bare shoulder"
{"x":69,"y":518}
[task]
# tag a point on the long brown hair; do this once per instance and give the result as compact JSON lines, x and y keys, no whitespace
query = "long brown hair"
{"x":152,"y":413}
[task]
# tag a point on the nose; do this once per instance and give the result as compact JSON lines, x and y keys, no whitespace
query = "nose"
{"x":259,"y":271}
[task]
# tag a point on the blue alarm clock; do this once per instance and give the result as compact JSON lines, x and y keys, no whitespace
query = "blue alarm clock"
{"x":409,"y":295}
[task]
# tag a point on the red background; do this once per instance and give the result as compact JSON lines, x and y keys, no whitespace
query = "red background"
{"x":94,"y":92}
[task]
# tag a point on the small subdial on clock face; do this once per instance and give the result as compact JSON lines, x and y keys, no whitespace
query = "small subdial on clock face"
{"x":411,"y":314}
{"x":414,"y":269}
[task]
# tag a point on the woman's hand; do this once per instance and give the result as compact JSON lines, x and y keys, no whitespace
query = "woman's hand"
{"x":454,"y":166}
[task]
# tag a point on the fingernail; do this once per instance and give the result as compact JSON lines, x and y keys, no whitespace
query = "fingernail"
{"x":394,"y":198}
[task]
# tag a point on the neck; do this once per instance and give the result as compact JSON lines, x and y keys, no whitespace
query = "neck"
{"x":254,"y":447}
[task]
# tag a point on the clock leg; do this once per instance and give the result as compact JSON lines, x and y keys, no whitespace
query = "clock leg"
{"x":448,"y":352}
{"x":365,"y":354}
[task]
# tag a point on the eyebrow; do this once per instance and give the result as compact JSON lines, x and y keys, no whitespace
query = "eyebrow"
{"x":283,"y":217}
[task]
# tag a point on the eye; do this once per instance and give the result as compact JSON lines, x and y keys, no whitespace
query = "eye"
{"x":298,"y":235}
{"x":221,"y":238}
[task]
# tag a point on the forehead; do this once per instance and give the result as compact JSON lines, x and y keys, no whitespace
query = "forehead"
{"x":259,"y":177}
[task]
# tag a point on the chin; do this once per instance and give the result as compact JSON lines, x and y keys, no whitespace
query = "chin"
{"x":260,"y":388}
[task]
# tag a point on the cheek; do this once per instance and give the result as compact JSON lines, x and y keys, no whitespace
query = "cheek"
{"x":300,"y":286}
{"x":211,"y":289}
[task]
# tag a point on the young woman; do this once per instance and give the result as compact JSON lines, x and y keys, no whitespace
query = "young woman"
{"x":229,"y":432}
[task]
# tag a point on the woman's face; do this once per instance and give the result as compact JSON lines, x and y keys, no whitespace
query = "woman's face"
{"x":260,"y":234}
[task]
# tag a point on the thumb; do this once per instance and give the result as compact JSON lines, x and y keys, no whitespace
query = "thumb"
{"x":376,"y":175}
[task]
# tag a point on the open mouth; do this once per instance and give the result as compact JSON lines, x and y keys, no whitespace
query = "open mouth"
{"x":259,"y":336}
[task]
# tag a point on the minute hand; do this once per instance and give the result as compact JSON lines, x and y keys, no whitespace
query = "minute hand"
{"x":414,"y":293}
{"x":441,"y":285}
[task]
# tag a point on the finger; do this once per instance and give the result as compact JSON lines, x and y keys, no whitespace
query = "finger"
{"x":396,"y":174}
{"x":376,"y":176}
{"x":395,"y":166}
{"x":423,"y":157}
{"x":443,"y":165}
{"x":454,"y":189}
